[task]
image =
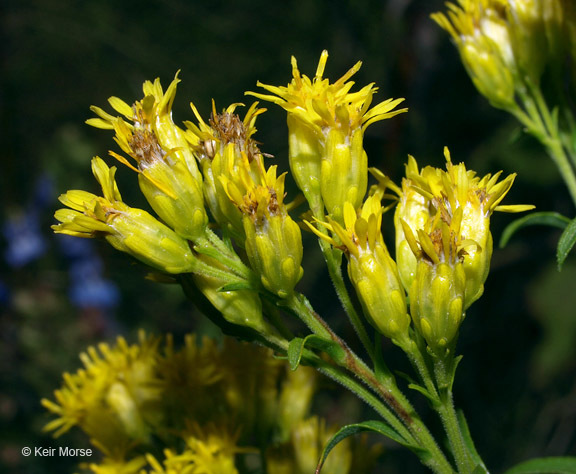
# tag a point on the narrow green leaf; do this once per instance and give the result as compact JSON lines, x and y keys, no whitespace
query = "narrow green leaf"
{"x":566,"y":242}
{"x":556,"y":465}
{"x":295,"y":348}
{"x":414,"y":386}
{"x":552,"y":219}
{"x":237,"y":285}
{"x":480,"y":466}
{"x":374,"y":425}
{"x":331,"y":348}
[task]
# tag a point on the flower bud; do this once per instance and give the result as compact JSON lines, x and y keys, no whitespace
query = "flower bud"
{"x":370,"y":268}
{"x":482,"y":34}
{"x":127,"y":229}
{"x":241,"y":307}
{"x":344,"y":176}
{"x":273,"y":240}
{"x":437,"y":302}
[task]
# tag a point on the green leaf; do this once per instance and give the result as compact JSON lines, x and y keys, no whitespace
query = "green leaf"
{"x":374,"y":425}
{"x":480,"y":466}
{"x":237,"y":285}
{"x":566,"y":242}
{"x":295,"y":348}
{"x":297,"y":345}
{"x":557,"y":465}
{"x":552,"y":219}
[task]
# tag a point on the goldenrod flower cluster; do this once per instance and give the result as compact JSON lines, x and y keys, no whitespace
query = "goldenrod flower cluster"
{"x":153,"y":408}
{"x":215,"y":170}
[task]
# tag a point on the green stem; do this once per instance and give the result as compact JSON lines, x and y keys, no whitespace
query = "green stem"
{"x":544,"y":126}
{"x":447,"y":412}
{"x":335,"y":270}
{"x":226,"y":256}
{"x":403,"y":413}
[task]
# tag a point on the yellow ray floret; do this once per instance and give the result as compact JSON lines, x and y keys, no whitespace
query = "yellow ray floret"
{"x":321,"y":104}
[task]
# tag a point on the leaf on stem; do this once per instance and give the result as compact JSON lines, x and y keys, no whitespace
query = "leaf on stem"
{"x":554,"y":465}
{"x":377,"y":426}
{"x":566,"y":242}
{"x":297,"y":345}
{"x":480,"y":466}
{"x":237,"y":285}
{"x":552,"y":219}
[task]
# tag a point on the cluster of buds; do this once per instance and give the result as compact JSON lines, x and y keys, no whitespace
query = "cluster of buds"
{"x":215,"y":168}
{"x":444,"y":243}
{"x":187,"y":175}
{"x":506,"y":44}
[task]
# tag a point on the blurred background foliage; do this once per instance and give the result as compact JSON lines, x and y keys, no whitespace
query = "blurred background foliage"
{"x":58,"y":57}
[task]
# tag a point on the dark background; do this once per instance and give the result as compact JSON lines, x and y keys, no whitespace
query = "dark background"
{"x":58,"y":57}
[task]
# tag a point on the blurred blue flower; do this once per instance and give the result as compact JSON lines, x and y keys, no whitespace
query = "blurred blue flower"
{"x":25,"y":242}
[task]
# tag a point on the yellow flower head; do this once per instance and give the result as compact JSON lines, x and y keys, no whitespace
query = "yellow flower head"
{"x":127,"y":229}
{"x":222,"y":145}
{"x":449,"y":211}
{"x":326,"y":125}
{"x":273,"y":240}
{"x":372,"y":271}
{"x":323,"y":105}
{"x":167,"y":171}
{"x":118,"y":466}
{"x":114,"y":399}
{"x":444,"y":244}
{"x":481,"y":32}
{"x":150,"y":116}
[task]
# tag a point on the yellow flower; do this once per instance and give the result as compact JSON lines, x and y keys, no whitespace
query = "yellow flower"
{"x":273,"y":240}
{"x":480,"y":30}
{"x":114,"y":399}
{"x":208,"y":451}
{"x":371,"y":269}
{"x":444,"y":244}
{"x":221,"y":146}
{"x":167,"y":170}
{"x":326,"y":124}
{"x":118,"y":466}
{"x":430,"y":194}
{"x":127,"y":229}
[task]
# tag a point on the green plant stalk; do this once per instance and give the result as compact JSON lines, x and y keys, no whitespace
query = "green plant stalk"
{"x":335,"y":271}
{"x":404,"y":413}
{"x":446,"y":410}
{"x":226,"y":256}
{"x":539,"y":122}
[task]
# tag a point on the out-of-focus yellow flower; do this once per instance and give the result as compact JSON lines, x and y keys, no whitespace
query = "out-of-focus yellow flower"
{"x":127,"y":229}
{"x":295,"y":399}
{"x":371,"y":269}
{"x":480,"y":31}
{"x":326,"y":124}
{"x":208,"y":451}
{"x":309,"y":438}
{"x":118,"y":466}
{"x":222,"y":145}
{"x":273,"y":240}
{"x":167,"y":170}
{"x":114,"y":399}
